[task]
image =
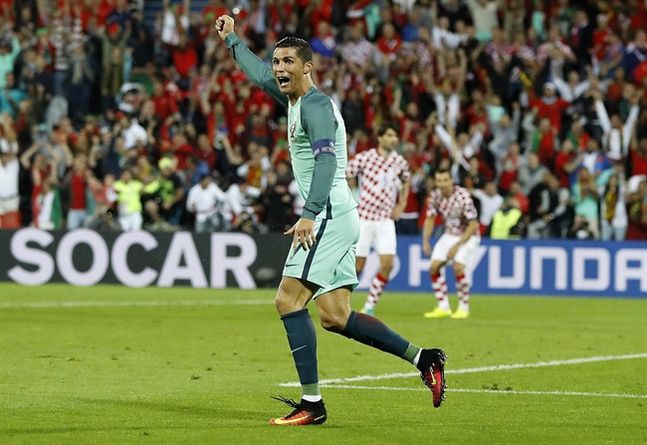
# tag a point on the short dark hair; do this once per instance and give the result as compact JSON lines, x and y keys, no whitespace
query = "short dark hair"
{"x":386,"y":126}
{"x":440,"y":171}
{"x":303,"y":48}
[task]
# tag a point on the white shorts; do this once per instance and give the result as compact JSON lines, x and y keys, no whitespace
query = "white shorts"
{"x":377,"y":234}
{"x":132,"y":221}
{"x":8,"y":205}
{"x":465,"y":253}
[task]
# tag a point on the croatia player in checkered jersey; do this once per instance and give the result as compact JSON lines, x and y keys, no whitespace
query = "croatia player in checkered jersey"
{"x":384,"y":186}
{"x":458,"y":243}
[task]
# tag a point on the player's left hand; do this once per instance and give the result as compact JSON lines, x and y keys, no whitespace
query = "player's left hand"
{"x":452,"y":252}
{"x":395,"y":214}
{"x":304,"y":233}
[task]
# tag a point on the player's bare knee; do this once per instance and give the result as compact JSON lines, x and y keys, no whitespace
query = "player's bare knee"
{"x":334,"y":322}
{"x":288,"y":299}
{"x":459,"y":269}
{"x":282,"y":304}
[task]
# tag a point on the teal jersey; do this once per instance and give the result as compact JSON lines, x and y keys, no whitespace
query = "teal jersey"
{"x":315,"y":126}
{"x":316,"y":137}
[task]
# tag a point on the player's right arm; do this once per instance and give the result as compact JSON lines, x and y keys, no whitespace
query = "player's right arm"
{"x":257,"y":71}
{"x":428,"y":228}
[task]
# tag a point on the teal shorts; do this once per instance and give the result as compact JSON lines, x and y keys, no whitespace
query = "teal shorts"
{"x":330,"y":263}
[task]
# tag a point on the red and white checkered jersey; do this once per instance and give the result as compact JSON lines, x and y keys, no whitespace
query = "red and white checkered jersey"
{"x":380,"y":180}
{"x":457,"y":210}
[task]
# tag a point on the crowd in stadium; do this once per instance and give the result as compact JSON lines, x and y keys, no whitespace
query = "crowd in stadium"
{"x":111,"y":122}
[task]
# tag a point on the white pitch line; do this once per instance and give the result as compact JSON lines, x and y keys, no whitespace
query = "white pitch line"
{"x":499,"y":391}
{"x":573,"y":361}
{"x":151,"y":303}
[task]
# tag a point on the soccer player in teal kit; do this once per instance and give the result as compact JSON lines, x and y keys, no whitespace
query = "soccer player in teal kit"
{"x":321,"y":261}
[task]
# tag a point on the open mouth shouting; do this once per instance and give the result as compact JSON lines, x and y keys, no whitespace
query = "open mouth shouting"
{"x":283,"y":81}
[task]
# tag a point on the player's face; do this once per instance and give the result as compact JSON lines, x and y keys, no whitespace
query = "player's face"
{"x":444,"y":183}
{"x":389,"y":140}
{"x":289,"y":70}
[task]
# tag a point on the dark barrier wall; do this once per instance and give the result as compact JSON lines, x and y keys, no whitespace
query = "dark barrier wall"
{"x":84,"y":257}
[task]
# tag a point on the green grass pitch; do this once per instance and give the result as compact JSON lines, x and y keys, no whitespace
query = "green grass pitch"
{"x":112,"y":365}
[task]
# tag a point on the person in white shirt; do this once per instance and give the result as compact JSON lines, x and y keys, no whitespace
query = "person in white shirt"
{"x":617,"y":135}
{"x":9,"y":198}
{"x":613,"y":212}
{"x":484,"y":14}
{"x":572,"y":89}
{"x":134,"y":133}
{"x":462,"y":147}
{"x":9,"y":171}
{"x":207,"y":201}
{"x":240,"y":197}
{"x":490,"y":201}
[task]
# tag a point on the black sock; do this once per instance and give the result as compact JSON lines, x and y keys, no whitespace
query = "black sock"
{"x":303,"y":344}
{"x":372,"y":332}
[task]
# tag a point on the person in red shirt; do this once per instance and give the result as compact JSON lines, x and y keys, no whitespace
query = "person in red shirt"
{"x":206,"y":152}
{"x":389,"y":44}
{"x":511,"y":165}
{"x":184,"y":57}
{"x":639,"y":158}
{"x":165,"y":105}
{"x":550,"y":106}
{"x":516,"y":192}
{"x":544,"y":141}
{"x":78,"y":183}
{"x":567,"y":162}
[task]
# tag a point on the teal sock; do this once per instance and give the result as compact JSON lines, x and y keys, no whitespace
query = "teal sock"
{"x":372,"y":332}
{"x":303,"y":344}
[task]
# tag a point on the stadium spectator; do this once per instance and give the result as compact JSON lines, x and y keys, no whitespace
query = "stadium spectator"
{"x":9,"y":198}
{"x":637,"y":211}
{"x":76,"y":188}
{"x":207,"y":201}
{"x":9,"y":175}
{"x":47,"y":205}
{"x":531,"y":174}
{"x":103,"y":214}
{"x":505,"y":221}
{"x":549,"y":209}
{"x":163,"y":197}
{"x":490,"y":201}
{"x":129,"y":191}
{"x":277,"y":199}
{"x":585,"y":200}
{"x":613,"y":210}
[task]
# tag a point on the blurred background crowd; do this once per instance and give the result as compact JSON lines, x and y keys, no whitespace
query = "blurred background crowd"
{"x":121,"y":115}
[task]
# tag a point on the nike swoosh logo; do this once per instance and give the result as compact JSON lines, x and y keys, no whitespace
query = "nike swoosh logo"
{"x":299,"y":348}
{"x":433,"y":377}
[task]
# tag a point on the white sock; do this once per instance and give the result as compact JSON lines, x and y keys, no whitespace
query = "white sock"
{"x":311,"y":398}
{"x":417,"y":358}
{"x":464,"y":306}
